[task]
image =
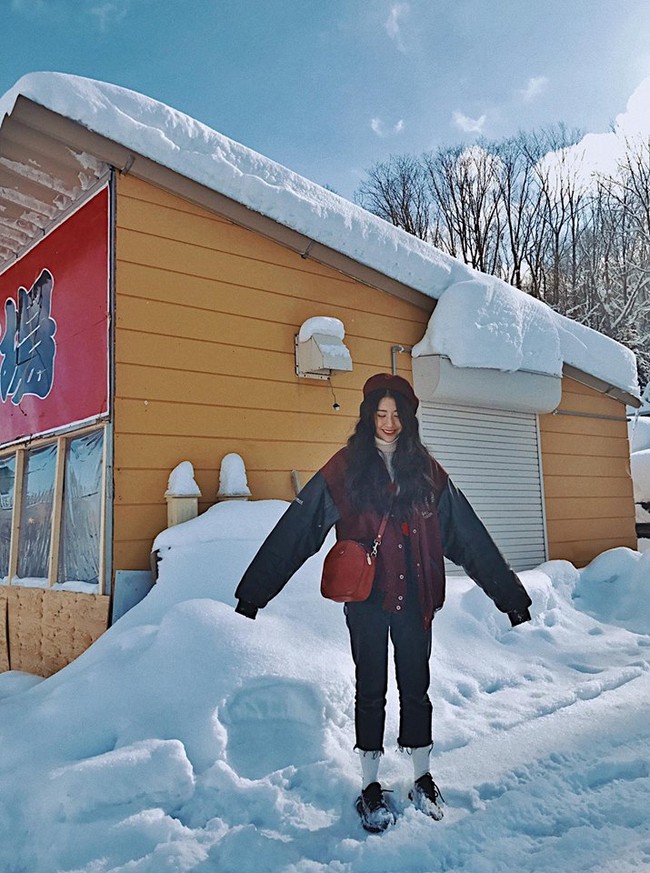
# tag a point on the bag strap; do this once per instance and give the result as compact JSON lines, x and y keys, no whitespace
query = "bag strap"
{"x":380,"y":532}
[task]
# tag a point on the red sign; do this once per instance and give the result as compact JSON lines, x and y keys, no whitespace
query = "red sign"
{"x":54,"y":307}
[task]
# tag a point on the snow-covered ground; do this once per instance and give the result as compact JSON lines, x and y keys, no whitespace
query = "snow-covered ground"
{"x":189,"y":738}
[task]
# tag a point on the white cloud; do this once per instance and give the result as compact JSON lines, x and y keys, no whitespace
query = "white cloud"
{"x":535,"y":86}
{"x":108,"y":12}
{"x":467,"y":124}
{"x":393,"y":26}
{"x":600,"y":153}
{"x":380,"y":128}
{"x":635,"y":120}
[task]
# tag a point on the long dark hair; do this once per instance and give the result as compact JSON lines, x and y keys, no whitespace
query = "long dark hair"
{"x":366,"y":474}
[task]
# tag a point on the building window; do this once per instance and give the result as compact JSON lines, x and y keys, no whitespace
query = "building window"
{"x":36,"y":515}
{"x":7,"y":480}
{"x":51,"y":513}
{"x":79,"y":555}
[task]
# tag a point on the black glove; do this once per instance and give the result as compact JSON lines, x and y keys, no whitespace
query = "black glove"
{"x":519,"y":616}
{"x":245,"y":608}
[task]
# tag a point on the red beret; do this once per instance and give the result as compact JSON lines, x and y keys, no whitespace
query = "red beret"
{"x":394,"y":384}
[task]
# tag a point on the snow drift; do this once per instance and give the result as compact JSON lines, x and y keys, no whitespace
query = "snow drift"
{"x":189,"y":738}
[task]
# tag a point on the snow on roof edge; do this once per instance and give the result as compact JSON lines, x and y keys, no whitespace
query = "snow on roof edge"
{"x":196,"y":151}
{"x":191,"y":148}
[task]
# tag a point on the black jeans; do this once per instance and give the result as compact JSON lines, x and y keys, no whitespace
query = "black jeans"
{"x":370,"y":626}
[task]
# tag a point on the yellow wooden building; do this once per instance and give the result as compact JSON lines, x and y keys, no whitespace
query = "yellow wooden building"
{"x":194,"y":294}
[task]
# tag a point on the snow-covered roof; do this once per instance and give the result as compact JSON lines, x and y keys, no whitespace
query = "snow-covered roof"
{"x":180,"y":143}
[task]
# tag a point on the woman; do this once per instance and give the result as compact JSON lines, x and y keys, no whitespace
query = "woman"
{"x":385,"y":469}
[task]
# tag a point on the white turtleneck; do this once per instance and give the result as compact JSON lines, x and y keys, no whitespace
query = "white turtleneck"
{"x":387,"y":451}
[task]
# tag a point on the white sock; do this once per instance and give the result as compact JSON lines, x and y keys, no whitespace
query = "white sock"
{"x":420,"y":759}
{"x":369,"y":767}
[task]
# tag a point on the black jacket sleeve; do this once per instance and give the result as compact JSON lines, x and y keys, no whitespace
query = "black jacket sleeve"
{"x":298,"y":535}
{"x":467,"y":543}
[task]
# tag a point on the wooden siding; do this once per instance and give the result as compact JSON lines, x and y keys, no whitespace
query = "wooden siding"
{"x":587,"y":483}
{"x":206,"y":314}
{"x":43,"y":630}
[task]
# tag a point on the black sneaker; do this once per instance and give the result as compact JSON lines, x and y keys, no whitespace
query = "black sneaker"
{"x":426,"y":797}
{"x":374,"y":812}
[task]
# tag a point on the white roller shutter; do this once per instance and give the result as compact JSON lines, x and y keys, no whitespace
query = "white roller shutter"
{"x":493,"y":457}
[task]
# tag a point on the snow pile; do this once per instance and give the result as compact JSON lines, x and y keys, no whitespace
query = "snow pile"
{"x":181,"y":481}
{"x":595,"y":353}
{"x":615,"y":588}
{"x":639,"y":434}
{"x":479,"y":323}
{"x":640,"y":462}
{"x":179,"y":142}
{"x":189,"y":738}
{"x":232,"y":477}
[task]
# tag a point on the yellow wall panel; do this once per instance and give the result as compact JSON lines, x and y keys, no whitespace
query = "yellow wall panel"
{"x":587,"y":483}
{"x":206,"y":314}
{"x":587,"y":486}
{"x":204,"y":231}
{"x":164,"y":452}
{"x":587,"y":508}
{"x":571,"y":530}
{"x":181,"y":258}
{"x":571,"y":424}
{"x":259,"y":331}
{"x":572,"y":467}
{"x":587,"y":400}
{"x":212,"y":292}
{"x":141,"y":522}
{"x":583,"y":550}
{"x":140,"y":190}
{"x":142,"y":381}
{"x":157,"y":417}
{"x":585,"y":446}
{"x":189,"y":355}
{"x":205,"y":326}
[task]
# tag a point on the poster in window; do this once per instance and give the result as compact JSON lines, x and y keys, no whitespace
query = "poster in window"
{"x":54,"y":307}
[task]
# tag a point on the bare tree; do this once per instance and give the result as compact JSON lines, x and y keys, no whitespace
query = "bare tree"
{"x":397,"y":191}
{"x":463,"y":184}
{"x":521,"y":202}
{"x":526,"y":209}
{"x":619,"y":284}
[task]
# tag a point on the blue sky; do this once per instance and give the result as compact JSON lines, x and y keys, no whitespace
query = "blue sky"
{"x":328,"y":87}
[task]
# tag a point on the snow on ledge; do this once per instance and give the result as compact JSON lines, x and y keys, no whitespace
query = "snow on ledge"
{"x":484,"y":322}
{"x":536,"y":338}
{"x":324,"y":325}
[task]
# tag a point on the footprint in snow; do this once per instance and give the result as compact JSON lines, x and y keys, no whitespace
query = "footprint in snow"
{"x":273,"y":724}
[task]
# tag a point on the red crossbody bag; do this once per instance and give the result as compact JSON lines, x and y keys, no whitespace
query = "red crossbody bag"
{"x":349,"y":569}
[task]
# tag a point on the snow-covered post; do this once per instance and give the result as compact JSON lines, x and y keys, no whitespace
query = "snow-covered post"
{"x":182,"y":494}
{"x":233,"y":484}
